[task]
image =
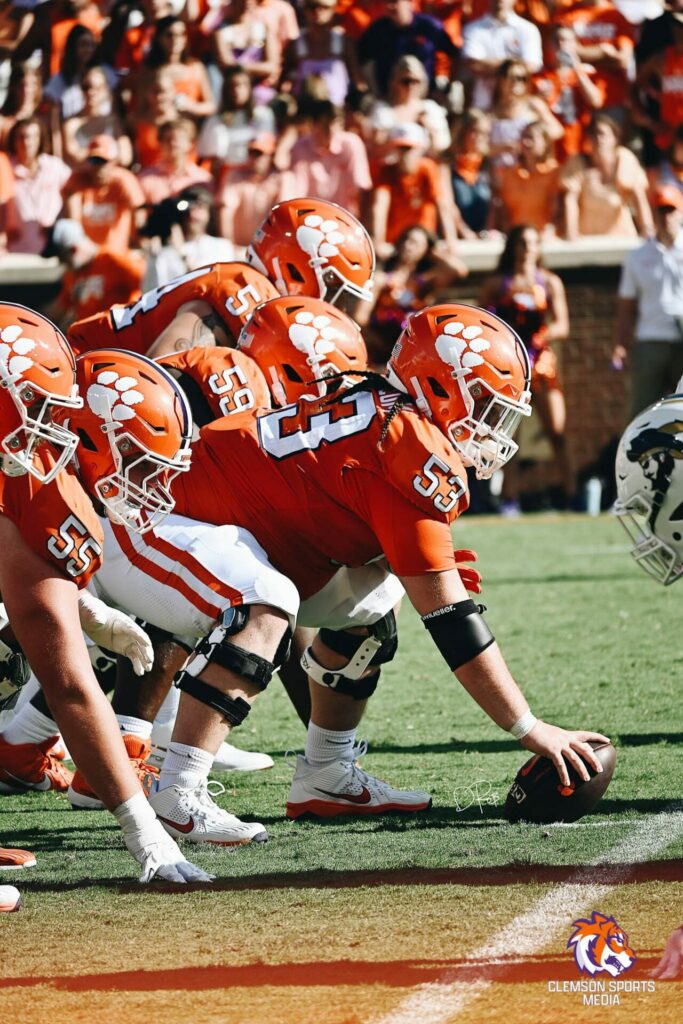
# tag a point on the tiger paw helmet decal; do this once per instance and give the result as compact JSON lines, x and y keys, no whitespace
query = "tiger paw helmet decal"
{"x":15,"y":349}
{"x":113,"y":397}
{"x":461,"y":346}
{"x":318,"y":237}
{"x":312,"y":335}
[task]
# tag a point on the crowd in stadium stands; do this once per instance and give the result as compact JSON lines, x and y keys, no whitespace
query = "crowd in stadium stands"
{"x":160,"y":132}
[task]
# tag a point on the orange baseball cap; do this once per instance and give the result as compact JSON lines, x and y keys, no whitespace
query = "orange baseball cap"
{"x":668,"y":195}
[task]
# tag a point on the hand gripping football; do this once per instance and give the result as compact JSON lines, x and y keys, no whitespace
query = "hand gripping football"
{"x":538,"y":796}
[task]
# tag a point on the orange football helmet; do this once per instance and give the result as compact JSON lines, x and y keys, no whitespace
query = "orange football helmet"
{"x":315,"y":248}
{"x":298,"y":341}
{"x":135,"y":430}
{"x":37,"y":376}
{"x":469,"y":373}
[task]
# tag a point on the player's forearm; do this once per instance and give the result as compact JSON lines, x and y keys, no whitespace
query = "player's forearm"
{"x":488,"y":680}
{"x":81,"y":710}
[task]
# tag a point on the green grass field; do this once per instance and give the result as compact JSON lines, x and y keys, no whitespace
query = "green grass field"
{"x":339,"y":922}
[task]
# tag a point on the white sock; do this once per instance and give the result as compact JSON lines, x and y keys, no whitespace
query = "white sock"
{"x":326,"y":745}
{"x":30,"y":725}
{"x":169,"y":709}
{"x":185,"y":766}
{"x":134,"y":726}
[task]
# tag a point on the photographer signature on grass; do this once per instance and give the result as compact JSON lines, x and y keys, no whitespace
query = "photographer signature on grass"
{"x":475,"y":794}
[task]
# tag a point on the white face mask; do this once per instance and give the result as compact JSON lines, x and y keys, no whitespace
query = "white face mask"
{"x":35,"y":406}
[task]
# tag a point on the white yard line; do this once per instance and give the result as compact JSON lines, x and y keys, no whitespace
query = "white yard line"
{"x":440,"y":1002}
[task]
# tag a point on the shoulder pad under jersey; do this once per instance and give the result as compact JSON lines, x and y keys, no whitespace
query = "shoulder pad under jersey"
{"x":421,"y":463}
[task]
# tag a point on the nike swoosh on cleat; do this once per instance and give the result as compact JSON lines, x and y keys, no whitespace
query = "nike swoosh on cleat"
{"x":184,"y":828}
{"x":363,"y":797}
{"x":44,"y":783}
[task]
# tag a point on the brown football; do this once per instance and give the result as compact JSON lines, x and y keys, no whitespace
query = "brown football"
{"x":538,"y":796}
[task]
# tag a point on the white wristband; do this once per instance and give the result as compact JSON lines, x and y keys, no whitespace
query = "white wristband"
{"x":523,"y":725}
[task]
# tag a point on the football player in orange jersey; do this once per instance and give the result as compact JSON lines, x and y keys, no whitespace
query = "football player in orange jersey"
{"x":207,"y":306}
{"x":160,"y":577}
{"x":304,"y":247}
{"x":52,"y":545}
{"x":373,"y":475}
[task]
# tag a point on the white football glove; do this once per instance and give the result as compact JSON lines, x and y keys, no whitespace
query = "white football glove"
{"x":160,"y":856}
{"x":115,"y":631}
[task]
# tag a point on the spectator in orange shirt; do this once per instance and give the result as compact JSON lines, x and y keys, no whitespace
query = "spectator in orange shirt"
{"x":605,"y":40}
{"x":526,"y":192}
{"x":138,"y":38}
{"x":176,"y":170}
{"x":410,"y":193}
{"x":161,"y":108}
{"x":568,"y":87}
{"x":246,"y":194}
{"x":96,"y":278}
{"x":74,"y":12}
{"x":103,"y":197}
{"x":661,"y":77}
{"x":331,"y":163}
{"x":169,"y":51}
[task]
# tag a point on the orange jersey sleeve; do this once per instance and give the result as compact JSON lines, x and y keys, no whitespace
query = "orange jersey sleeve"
{"x":57,"y":521}
{"x":233,"y":290}
{"x":218,"y":381}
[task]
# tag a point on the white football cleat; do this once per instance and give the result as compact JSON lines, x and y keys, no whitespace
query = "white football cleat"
{"x":191,"y":814}
{"x":227,"y":759}
{"x":343,"y":788}
{"x":232,"y":759}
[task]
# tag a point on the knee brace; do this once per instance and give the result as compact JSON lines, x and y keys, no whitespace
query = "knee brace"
{"x":363,"y":652}
{"x":216,"y":649}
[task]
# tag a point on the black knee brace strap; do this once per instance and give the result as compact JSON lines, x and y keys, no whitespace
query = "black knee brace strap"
{"x":459,"y":631}
{"x":233,"y":711}
{"x":216,"y":648}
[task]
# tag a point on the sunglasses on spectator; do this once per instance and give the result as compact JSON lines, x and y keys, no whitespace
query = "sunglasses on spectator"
{"x":410,"y":81}
{"x":518,"y":77}
{"x":97,"y":161}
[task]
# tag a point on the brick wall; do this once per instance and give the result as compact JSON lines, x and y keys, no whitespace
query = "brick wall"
{"x":595,"y":394}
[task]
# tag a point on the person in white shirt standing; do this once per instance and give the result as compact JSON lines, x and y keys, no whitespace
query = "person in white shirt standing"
{"x":649,"y":323}
{"x":500,"y":35}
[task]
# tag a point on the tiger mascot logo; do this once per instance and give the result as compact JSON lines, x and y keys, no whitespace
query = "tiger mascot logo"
{"x":600,"y":945}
